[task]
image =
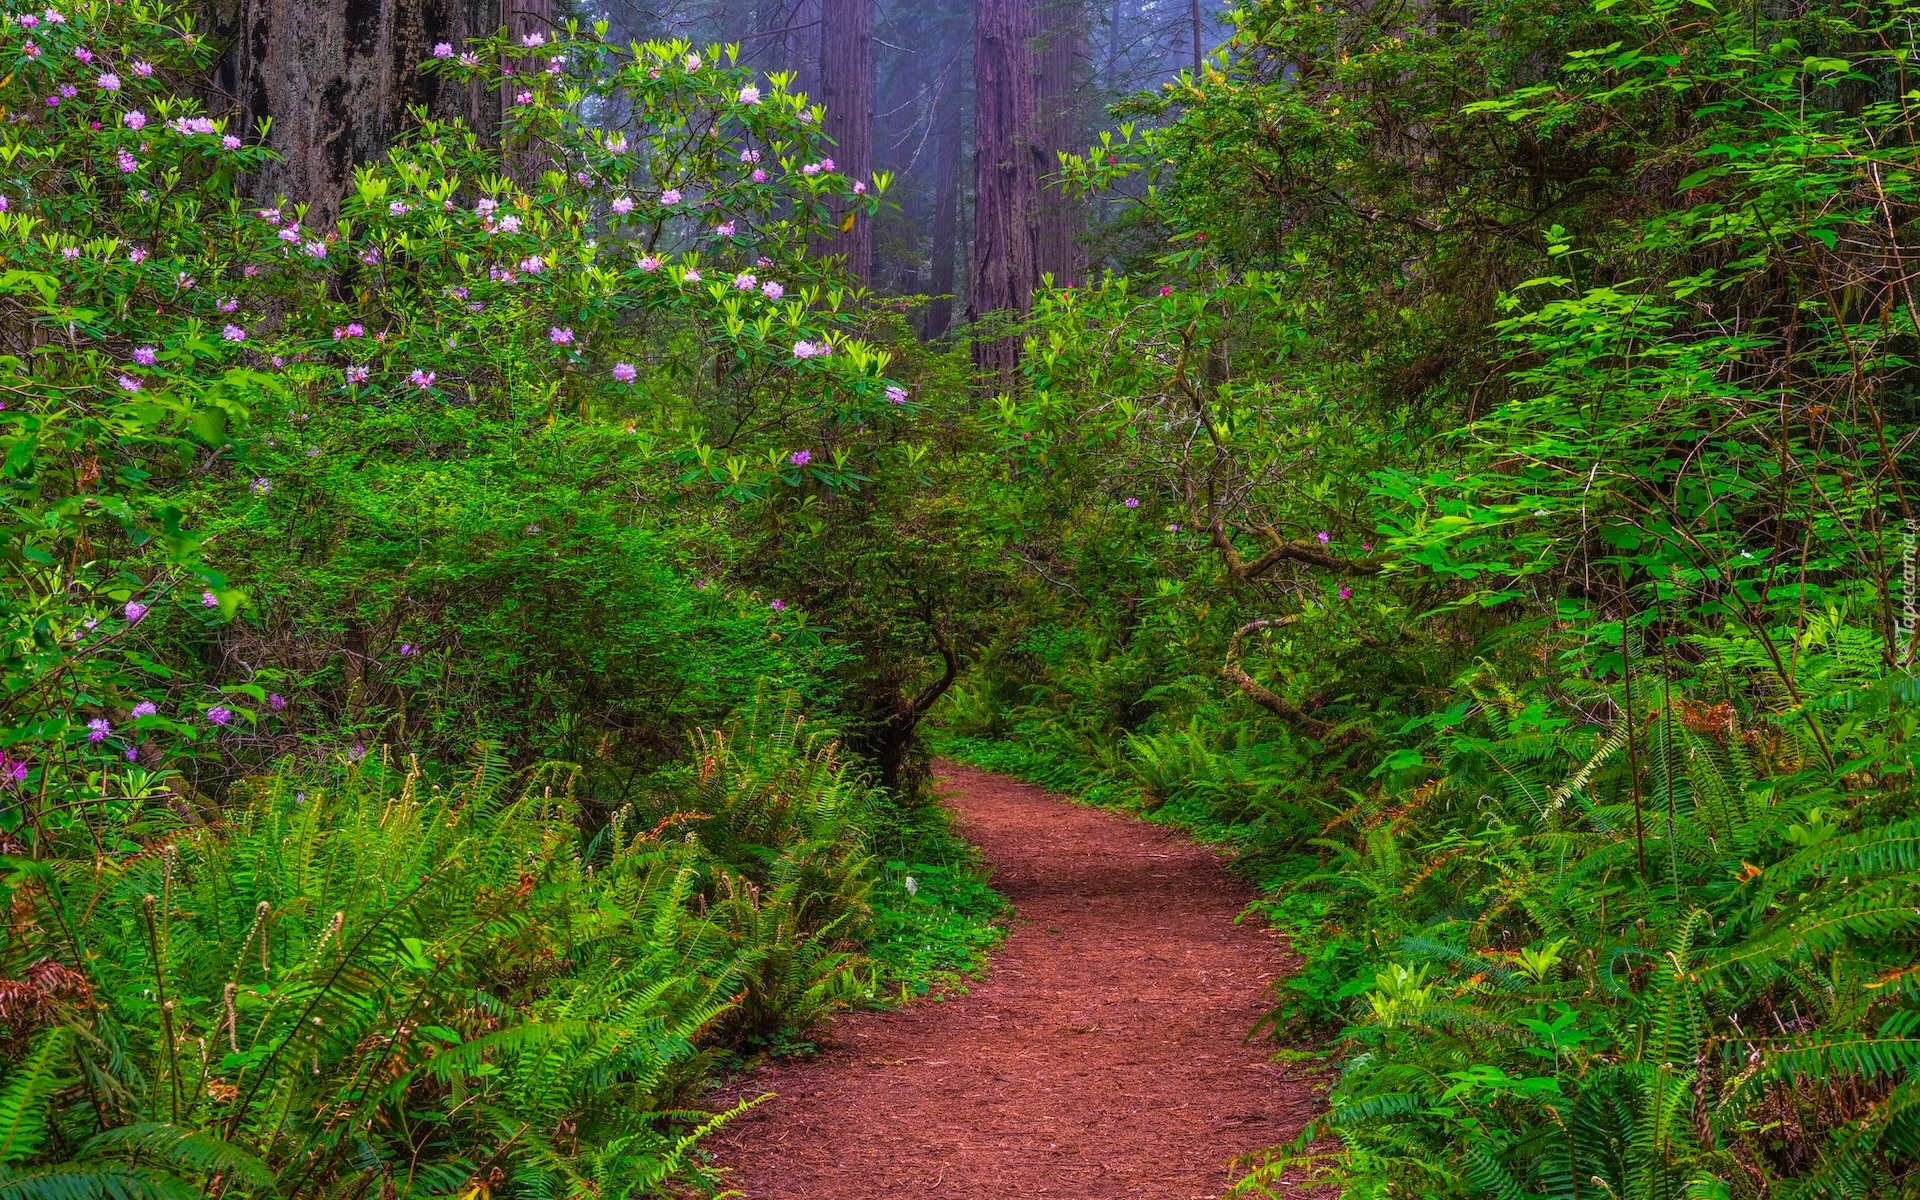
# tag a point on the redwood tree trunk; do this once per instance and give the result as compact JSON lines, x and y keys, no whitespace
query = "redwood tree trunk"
{"x":846,"y":88}
{"x":337,"y":78}
{"x":1057,"y":250}
{"x":946,"y":216}
{"x":1004,"y":195}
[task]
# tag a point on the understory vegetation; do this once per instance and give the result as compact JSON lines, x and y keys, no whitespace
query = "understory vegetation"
{"x":421,"y":776}
{"x":465,"y":648}
{"x":1490,"y":519}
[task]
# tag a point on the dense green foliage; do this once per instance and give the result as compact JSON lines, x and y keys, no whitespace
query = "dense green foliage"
{"x":365,"y":975}
{"x":1489,"y":515}
{"x":500,"y":465}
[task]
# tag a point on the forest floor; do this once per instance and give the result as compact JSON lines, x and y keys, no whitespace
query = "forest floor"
{"x":1103,"y":1053}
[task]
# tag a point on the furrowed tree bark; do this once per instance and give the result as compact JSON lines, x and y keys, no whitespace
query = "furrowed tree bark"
{"x":1057,"y":250}
{"x":846,"y":88}
{"x":337,"y":77}
{"x":944,"y":240}
{"x":1005,"y":198}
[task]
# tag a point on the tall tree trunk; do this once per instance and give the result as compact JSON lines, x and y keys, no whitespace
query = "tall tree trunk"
{"x":1004,"y":195}
{"x":337,"y":79}
{"x":1057,"y":248}
{"x":946,"y":212}
{"x":1196,"y":40}
{"x":804,"y":41}
{"x":846,"y":88}
{"x":525,"y":18}
{"x":1111,"y":83}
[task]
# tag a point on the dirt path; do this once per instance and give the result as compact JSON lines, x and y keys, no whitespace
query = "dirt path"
{"x":1101,"y":1056}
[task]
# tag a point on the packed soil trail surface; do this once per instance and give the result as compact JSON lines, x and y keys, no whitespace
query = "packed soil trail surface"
{"x":1102,"y":1055}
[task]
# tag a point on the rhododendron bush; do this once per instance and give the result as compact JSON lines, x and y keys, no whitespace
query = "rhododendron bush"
{"x":249,"y":432}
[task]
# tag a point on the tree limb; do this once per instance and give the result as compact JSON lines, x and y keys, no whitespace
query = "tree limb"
{"x":1266,"y":698}
{"x":910,"y":713}
{"x":1281,"y":551}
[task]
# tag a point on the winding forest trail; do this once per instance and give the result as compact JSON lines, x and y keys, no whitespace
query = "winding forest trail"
{"x":1102,"y":1054}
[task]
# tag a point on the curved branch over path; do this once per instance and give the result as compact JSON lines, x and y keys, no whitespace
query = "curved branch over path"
{"x":1259,"y":693}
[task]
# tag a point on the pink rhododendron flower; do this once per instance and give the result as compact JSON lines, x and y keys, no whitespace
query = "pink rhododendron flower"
{"x":146,"y":356}
{"x":146,"y":708}
{"x":219,"y":714}
{"x":108,"y":82}
{"x":749,"y":95}
{"x":896,"y":394}
{"x":135,"y":119}
{"x":800,"y":458}
{"x":670,"y":197}
{"x":209,"y":600}
{"x":759,"y":176}
{"x":624,"y":372}
{"x":442,"y":50}
{"x":143,"y":69}
{"x":772,"y":290}
{"x":693,"y":62}
{"x":649,"y":264}
{"x":233,"y":333}
{"x":622,"y":205}
{"x":778,"y":606}
{"x":692,"y":275}
{"x":744,"y":281}
{"x":421,"y":379}
{"x":559,"y":336}
{"x":356,"y":374}
{"x":98,"y":729}
{"x":129,"y":384}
